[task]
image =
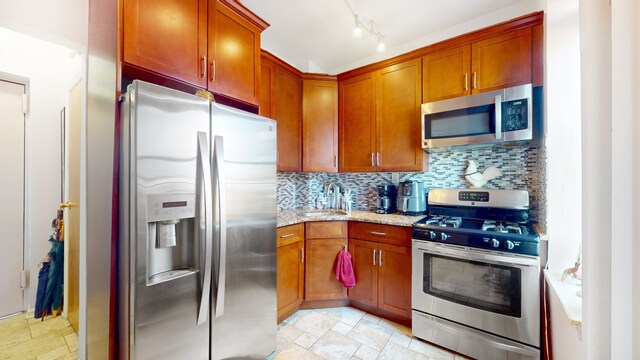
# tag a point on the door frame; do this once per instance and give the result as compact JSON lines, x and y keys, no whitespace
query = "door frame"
{"x":26,"y":209}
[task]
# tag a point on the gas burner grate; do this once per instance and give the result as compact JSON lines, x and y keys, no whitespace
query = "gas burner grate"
{"x":444,"y":221}
{"x":503,"y":227}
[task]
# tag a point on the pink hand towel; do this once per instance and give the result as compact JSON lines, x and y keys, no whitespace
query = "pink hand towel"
{"x":344,"y":270}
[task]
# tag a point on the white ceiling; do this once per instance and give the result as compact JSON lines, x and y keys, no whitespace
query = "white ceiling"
{"x":315,"y":36}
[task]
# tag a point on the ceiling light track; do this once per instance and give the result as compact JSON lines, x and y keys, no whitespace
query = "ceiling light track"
{"x":368,"y":25}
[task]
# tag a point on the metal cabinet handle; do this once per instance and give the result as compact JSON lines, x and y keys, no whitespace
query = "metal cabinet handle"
{"x":373,"y":161}
{"x":335,"y":161}
{"x":203,"y":66}
{"x":212,"y":72}
{"x":378,"y":233}
{"x":218,"y":158}
{"x":374,"y":257}
{"x":286,"y":235}
{"x":205,"y":221}
{"x":380,"y":258}
{"x":378,"y":158}
{"x":466,"y":81}
{"x":475,"y":80}
{"x":302,"y":255}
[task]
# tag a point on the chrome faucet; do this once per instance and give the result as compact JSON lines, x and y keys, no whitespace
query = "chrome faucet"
{"x":332,"y":192}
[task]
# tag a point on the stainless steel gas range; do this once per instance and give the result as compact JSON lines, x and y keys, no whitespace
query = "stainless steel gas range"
{"x":476,"y":274}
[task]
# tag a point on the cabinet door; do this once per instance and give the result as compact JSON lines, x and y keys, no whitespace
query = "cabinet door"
{"x":234,"y":52}
{"x":320,"y":126}
{"x":501,"y":61}
{"x":394,"y":279}
{"x":364,"y":259}
{"x":290,"y":276}
{"x":320,"y":275}
{"x":168,"y":37}
{"x":357,"y":124}
{"x":446,"y":74}
{"x":287,"y":112}
{"x":398,"y":99}
{"x":267,"y":71}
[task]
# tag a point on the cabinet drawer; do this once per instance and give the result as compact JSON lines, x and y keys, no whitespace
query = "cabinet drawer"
{"x":389,"y":234}
{"x":290,"y":234}
{"x":326,"y":230}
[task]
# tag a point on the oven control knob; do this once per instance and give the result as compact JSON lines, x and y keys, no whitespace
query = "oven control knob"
{"x":495,"y":243}
{"x":432,"y":235}
{"x":444,"y":236}
{"x":509,"y":244}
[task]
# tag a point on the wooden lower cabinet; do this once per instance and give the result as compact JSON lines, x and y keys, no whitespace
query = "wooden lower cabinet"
{"x":394,"y":279}
{"x":290,"y":269}
{"x":363,"y":257}
{"x":383,"y":276}
{"x":320,"y":276}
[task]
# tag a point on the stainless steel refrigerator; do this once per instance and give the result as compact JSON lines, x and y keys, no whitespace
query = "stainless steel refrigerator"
{"x":197,"y":248}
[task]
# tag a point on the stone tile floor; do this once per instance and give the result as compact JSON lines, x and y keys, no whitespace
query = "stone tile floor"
{"x":25,"y":338}
{"x":350,"y":334}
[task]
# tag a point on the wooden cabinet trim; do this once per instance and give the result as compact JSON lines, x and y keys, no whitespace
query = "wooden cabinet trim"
{"x":247,"y":14}
{"x":326,"y":230}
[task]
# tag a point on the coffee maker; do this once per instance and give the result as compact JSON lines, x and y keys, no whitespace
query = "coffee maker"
{"x":386,"y":202}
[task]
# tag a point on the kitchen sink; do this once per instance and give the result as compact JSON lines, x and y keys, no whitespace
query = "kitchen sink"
{"x":322,"y":212}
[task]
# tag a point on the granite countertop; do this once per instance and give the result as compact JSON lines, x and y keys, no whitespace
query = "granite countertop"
{"x":290,"y":217}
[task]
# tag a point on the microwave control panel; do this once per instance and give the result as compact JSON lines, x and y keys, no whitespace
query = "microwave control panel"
{"x":515,"y":115}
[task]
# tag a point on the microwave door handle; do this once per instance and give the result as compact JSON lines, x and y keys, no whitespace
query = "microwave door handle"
{"x":498,"y":112}
{"x":205,"y":215}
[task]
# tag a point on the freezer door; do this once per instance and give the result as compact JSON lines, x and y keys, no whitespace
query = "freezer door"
{"x":169,"y":134}
{"x":244,"y":287}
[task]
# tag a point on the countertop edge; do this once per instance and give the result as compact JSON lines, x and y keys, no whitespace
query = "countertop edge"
{"x":290,"y":217}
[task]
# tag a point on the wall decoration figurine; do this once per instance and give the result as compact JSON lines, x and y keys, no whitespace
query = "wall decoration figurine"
{"x":478,"y":179}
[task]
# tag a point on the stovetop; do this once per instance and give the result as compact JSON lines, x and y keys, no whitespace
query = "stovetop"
{"x":505,"y":236}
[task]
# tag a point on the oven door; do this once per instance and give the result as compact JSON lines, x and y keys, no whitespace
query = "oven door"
{"x":494,"y":292}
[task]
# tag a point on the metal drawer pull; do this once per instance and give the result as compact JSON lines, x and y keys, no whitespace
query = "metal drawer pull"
{"x":378,"y":233}
{"x":286,"y":235}
{"x":380,"y":258}
{"x":374,"y":257}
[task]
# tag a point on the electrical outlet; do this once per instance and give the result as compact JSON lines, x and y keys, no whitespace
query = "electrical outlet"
{"x":395,"y":178}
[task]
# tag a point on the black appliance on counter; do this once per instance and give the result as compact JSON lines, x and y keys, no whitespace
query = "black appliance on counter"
{"x":386,"y":202}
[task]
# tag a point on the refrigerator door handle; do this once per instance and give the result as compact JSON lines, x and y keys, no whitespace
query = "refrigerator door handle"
{"x":218,"y":159}
{"x":204,"y":168}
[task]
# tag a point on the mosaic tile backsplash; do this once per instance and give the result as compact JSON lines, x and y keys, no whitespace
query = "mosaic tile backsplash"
{"x":522,"y":167}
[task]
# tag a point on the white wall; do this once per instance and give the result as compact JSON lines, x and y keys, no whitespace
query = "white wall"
{"x":51,"y":70}
{"x":61,"y":21}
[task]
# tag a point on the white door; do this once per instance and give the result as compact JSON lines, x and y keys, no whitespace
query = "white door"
{"x":11,"y":196}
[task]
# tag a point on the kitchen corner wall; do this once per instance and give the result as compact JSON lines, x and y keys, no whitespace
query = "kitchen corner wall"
{"x":522,"y":167}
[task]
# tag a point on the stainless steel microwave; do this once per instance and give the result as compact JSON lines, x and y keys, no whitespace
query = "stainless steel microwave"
{"x":486,"y":118}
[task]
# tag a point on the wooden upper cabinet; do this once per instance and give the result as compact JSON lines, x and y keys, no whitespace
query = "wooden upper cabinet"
{"x":168,"y":37}
{"x":398,"y":99}
{"x":267,"y":73}
{"x":446,"y":74}
{"x":320,"y":126}
{"x":234,"y":54}
{"x":357,"y":130}
{"x":287,"y":103}
{"x":501,"y":61}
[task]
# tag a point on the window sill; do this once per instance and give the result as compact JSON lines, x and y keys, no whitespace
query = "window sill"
{"x":566,"y":291}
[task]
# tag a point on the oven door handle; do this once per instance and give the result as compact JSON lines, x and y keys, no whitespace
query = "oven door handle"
{"x":486,"y":258}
